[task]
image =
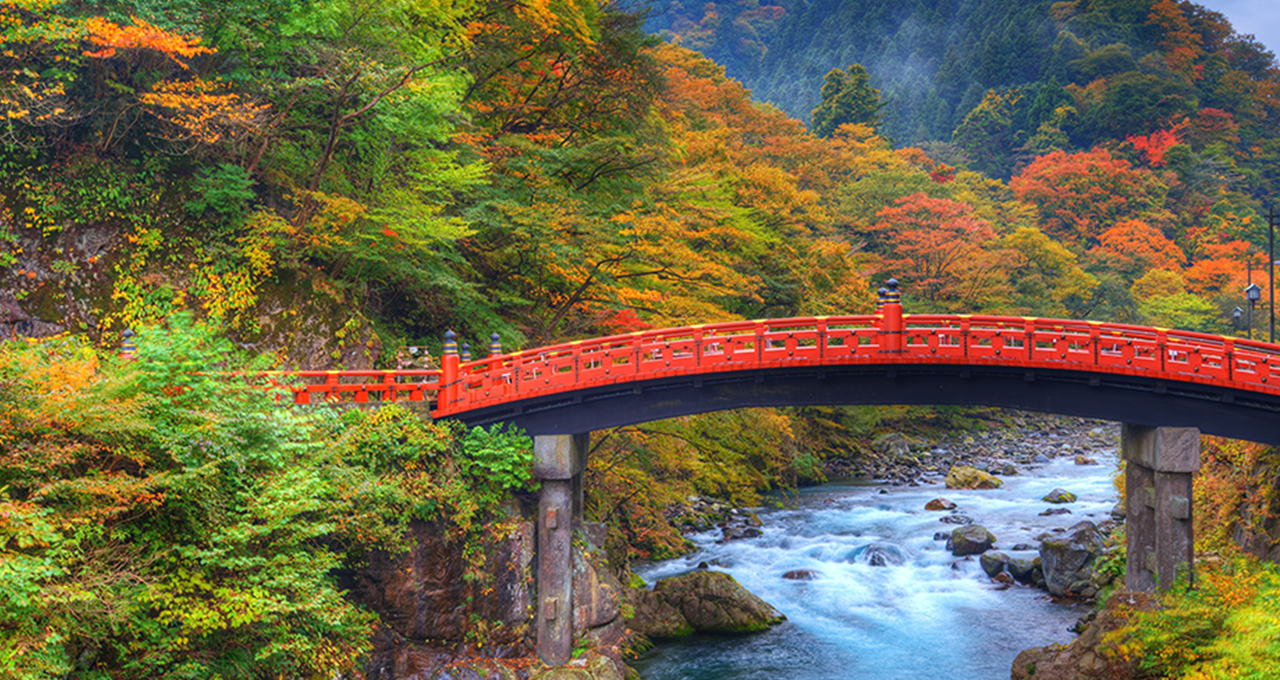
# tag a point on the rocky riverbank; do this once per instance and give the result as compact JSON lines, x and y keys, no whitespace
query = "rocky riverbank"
{"x":1023,"y":439}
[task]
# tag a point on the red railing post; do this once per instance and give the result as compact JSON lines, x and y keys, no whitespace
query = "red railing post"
{"x":449,"y":374}
{"x":892,"y":327}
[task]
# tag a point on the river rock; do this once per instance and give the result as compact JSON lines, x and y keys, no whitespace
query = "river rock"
{"x":942,"y":535}
{"x":956,"y":519}
{"x":877,"y":555}
{"x":970,"y":540}
{"x":802,"y":575}
{"x":1082,"y":459}
{"x":993,"y":562}
{"x":967,"y":477}
{"x":940,"y":504}
{"x":713,"y":602}
{"x":891,"y":444}
{"x":1066,"y":559}
{"x":1059,"y":496}
{"x":1055,"y":511}
{"x":654,"y":617}
{"x":1024,"y":570}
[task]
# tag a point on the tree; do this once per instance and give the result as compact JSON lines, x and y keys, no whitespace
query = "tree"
{"x":940,"y":251}
{"x":1135,"y":247}
{"x":847,"y":97}
{"x":1078,"y":194}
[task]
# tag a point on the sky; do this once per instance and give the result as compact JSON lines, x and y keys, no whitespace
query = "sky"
{"x":1259,"y":17}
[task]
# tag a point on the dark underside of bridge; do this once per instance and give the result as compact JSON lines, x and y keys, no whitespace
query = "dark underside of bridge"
{"x":1230,"y":413}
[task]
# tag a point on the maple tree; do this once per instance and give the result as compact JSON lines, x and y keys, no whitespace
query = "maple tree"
{"x":940,"y":251}
{"x":1079,"y":195}
{"x":1135,"y":246}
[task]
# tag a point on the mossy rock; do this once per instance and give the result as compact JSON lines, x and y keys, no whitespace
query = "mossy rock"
{"x":713,"y":602}
{"x":966,"y":477}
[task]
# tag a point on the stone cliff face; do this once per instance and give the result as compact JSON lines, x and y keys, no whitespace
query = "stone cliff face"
{"x":437,"y":626}
{"x":431,"y":616}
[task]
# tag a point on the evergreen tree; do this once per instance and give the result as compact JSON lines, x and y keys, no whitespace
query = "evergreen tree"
{"x":847,"y":97}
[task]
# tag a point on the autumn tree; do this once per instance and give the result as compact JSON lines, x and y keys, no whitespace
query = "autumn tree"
{"x":940,"y":251}
{"x":1135,"y":247}
{"x":1079,"y":195}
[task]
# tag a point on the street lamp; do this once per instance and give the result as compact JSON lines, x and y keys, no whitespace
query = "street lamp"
{"x":1235,"y":317}
{"x":1252,"y":293}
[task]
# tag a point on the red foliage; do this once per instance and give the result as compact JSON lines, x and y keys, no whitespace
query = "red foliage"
{"x":936,"y":244}
{"x":1078,"y":194}
{"x":1154,"y":145}
{"x":617,"y":322}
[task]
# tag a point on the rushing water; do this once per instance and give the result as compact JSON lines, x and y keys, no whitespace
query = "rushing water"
{"x":932,"y":616}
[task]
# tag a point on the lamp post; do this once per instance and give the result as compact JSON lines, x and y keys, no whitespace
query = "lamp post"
{"x":1235,"y":317}
{"x":1252,"y":293}
{"x":1272,"y":220}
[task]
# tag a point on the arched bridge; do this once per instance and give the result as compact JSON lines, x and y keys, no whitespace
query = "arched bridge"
{"x":1165,"y":386}
{"x":1134,"y":374}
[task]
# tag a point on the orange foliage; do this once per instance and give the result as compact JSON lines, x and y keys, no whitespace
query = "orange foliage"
{"x":195,"y":107}
{"x":938,"y":246}
{"x":1182,"y":46}
{"x":140,"y":36}
{"x":1221,"y":268}
{"x":1212,"y":126}
{"x":1136,"y":243}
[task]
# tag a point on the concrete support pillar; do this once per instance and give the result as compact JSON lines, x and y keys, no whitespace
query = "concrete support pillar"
{"x":558,"y":461}
{"x":1159,"y":465}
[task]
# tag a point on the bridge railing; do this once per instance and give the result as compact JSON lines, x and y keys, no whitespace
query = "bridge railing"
{"x":811,"y":341}
{"x":364,"y":386}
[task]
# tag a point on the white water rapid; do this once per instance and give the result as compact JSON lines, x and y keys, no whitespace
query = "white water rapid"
{"x":923,"y":615}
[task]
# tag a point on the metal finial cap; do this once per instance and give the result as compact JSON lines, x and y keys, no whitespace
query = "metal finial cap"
{"x":466,"y":351}
{"x":450,"y":342}
{"x":128,"y":333}
{"x":892,"y":284}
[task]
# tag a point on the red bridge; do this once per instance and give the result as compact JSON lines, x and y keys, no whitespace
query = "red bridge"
{"x":1160,"y":384}
{"x":1134,"y":374}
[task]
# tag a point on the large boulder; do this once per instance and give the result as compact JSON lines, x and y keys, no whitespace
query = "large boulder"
{"x":713,"y":602}
{"x":967,"y":477}
{"x":1066,"y":559}
{"x":970,"y":540}
{"x":1026,"y":571}
{"x":653,"y":617}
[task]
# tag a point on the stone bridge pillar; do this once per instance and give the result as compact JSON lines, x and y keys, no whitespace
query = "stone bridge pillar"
{"x":558,"y":461}
{"x":1159,"y":464}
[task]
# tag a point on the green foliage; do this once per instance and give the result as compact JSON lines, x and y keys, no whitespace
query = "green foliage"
{"x":166,"y":516}
{"x":225,"y":189}
{"x":1224,"y":628}
{"x":847,"y":98}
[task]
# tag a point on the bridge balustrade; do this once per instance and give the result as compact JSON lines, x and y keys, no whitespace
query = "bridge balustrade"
{"x":833,"y":341}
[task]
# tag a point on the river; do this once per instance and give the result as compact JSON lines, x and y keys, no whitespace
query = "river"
{"x":932,"y":616}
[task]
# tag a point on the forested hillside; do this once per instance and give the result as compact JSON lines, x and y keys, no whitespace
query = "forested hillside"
{"x":992,"y":75}
{"x":326,"y":182}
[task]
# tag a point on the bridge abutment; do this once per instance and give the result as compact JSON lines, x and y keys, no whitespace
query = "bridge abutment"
{"x":1159,"y":465}
{"x":558,"y":462}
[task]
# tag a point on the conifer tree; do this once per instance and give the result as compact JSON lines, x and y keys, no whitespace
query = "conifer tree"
{"x":847,"y":97}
